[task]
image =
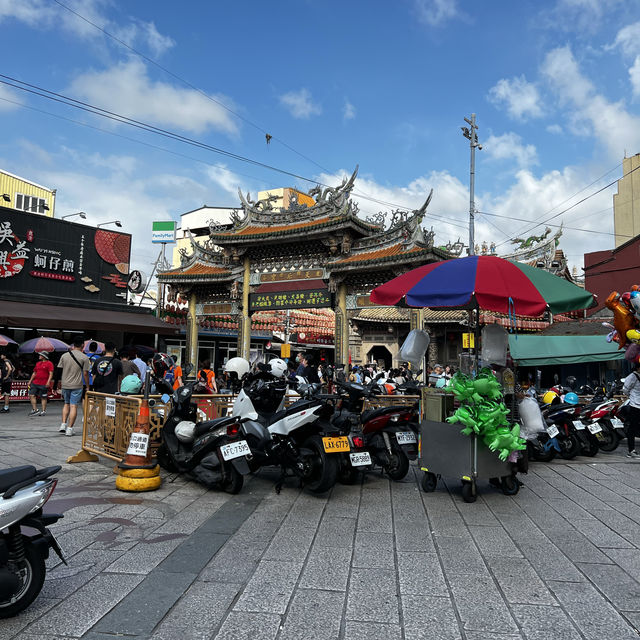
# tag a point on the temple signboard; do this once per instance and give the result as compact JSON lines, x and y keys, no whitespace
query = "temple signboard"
{"x":311,"y":299}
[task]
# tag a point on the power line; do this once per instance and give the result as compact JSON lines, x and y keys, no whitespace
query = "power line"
{"x":188,"y":84}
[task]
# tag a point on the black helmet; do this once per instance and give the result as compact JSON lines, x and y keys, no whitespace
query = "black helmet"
{"x":161,"y":363}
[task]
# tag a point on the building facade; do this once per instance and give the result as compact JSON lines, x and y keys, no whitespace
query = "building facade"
{"x":626,"y":203}
{"x":25,"y":195}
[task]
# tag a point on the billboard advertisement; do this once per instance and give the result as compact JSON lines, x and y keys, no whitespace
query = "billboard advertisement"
{"x":48,"y":260}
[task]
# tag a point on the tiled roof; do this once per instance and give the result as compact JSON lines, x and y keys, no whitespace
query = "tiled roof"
{"x":400,"y":314}
{"x":378,"y":254}
{"x":196,"y":270}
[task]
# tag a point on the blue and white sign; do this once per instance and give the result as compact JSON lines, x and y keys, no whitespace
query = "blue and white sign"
{"x":163,"y":232}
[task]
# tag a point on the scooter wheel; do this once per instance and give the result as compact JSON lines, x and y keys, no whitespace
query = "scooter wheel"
{"x":591,"y":448}
{"x":321,"y":468}
{"x":234,"y":481}
{"x":33,"y":572}
{"x":509,"y":485}
{"x":469,"y":493}
{"x":611,"y":439}
{"x":429,"y":482}
{"x":569,"y":447}
{"x":347,"y":474}
{"x":398,"y":465}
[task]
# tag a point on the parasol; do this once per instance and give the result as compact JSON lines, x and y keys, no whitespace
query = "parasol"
{"x":488,"y":282}
{"x":36,"y":345}
{"x":85,"y":346}
{"x":5,"y":340}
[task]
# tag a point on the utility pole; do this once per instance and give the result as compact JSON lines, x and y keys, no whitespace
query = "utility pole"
{"x":471,"y":135}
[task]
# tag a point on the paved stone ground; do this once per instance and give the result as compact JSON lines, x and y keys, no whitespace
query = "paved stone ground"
{"x":379,"y":560}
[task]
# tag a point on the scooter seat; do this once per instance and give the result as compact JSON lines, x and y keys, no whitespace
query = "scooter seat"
{"x":296,"y":407}
{"x":9,"y":477}
{"x":208,"y":425}
{"x":380,"y":411}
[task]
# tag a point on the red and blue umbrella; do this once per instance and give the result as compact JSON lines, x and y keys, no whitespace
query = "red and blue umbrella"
{"x":36,"y":345}
{"x":488,"y":282}
{"x":5,"y":340}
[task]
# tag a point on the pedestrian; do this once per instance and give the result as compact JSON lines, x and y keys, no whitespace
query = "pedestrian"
{"x":310,"y":371}
{"x":74,"y":366}
{"x":39,"y":383}
{"x":176,"y":373}
{"x":129,"y":368}
{"x":631,"y":388}
{"x":107,"y":371}
{"x":301,"y":365}
{"x":93,"y":354}
{"x":435,"y":375}
{"x":207,"y":377}
{"x":141,"y":364}
{"x":6,"y":373}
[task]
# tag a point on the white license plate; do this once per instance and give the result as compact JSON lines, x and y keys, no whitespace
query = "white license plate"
{"x":594,"y":427}
{"x":579,"y":425}
{"x":235,"y":450}
{"x":552,"y":431}
{"x":406,"y":437}
{"x":360,"y":459}
{"x":617,"y":423}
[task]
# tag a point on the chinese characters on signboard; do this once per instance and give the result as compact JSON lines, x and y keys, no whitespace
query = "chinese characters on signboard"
{"x":313,"y":299}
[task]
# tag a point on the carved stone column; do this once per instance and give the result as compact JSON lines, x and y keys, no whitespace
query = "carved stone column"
{"x":342,"y":326}
{"x":244,"y":326}
{"x":192,"y":331}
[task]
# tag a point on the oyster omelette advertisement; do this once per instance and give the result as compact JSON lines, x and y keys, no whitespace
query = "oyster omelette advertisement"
{"x":42,"y":259}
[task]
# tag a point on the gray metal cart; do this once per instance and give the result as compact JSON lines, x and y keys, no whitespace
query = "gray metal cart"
{"x":444,"y":451}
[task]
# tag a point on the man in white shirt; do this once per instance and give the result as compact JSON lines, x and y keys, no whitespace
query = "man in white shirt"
{"x":631,"y":388}
{"x":142,"y":366}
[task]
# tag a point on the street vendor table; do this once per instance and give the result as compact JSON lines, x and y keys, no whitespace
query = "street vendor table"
{"x":445,"y":451}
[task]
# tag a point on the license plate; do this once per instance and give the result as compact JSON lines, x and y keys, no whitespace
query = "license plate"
{"x":579,"y":425}
{"x":406,"y":437}
{"x":235,"y":450}
{"x":617,"y":423}
{"x":336,"y":445}
{"x":360,"y":459}
{"x":552,"y":431}
{"x":594,"y":427}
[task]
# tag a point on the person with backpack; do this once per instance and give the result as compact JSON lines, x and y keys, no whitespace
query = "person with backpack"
{"x":93,"y":355}
{"x":174,"y":375}
{"x":74,"y":367}
{"x":631,"y":388}
{"x":6,"y":373}
{"x":207,"y":377}
{"x":107,"y":371}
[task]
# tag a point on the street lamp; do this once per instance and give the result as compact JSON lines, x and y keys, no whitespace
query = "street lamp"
{"x":6,"y":197}
{"x":44,"y":207}
{"x":82,"y":214}
{"x":116,"y":222}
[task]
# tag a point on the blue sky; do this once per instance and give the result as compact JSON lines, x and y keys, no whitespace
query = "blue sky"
{"x":385,"y":85}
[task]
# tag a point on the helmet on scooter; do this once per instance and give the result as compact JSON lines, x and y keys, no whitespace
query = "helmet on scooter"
{"x":277,"y":367}
{"x":185,"y":430}
{"x":239,"y":366}
{"x":549,"y":397}
{"x":130,"y":384}
{"x":571,"y":398}
{"x":161,"y":363}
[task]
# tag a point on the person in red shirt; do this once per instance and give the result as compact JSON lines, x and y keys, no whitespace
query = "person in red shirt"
{"x":39,"y":384}
{"x":177,"y":374}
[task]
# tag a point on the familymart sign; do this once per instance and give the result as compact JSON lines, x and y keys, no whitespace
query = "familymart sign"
{"x":163,"y":232}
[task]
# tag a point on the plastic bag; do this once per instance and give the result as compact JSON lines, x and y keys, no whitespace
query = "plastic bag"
{"x":494,"y":344}
{"x":414,"y":347}
{"x":532,"y":422}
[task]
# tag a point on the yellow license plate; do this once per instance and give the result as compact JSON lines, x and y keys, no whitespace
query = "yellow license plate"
{"x":336,"y":445}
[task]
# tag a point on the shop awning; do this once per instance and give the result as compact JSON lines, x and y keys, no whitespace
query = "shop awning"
{"x":529,"y":350}
{"x":48,"y":316}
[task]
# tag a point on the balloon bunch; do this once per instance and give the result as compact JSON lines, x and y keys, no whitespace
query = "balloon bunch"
{"x":626,"y":321}
{"x":482,"y":412}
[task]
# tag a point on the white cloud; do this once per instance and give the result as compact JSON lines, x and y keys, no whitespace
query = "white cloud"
{"x":300,"y":104}
{"x":45,"y":15}
{"x":509,"y":146}
{"x":7,"y":97}
{"x":555,"y":129}
{"x":226,"y":179}
{"x":628,"y":40}
{"x":128,"y":90}
{"x":614,"y":127}
{"x":582,"y":16}
{"x":348,"y":111}
{"x":521,"y":98}
{"x":436,"y":12}
{"x":634,"y":77}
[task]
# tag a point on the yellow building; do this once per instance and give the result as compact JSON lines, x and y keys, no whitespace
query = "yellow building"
{"x":626,"y":203}
{"x":26,"y":195}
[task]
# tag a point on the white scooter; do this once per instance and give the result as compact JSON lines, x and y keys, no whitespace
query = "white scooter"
{"x":23,"y":492}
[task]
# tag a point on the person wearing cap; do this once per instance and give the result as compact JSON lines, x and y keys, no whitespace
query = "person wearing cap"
{"x":39,"y":383}
{"x":435,"y":375}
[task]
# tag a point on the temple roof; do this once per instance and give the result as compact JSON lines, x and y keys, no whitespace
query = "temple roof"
{"x":196,"y":271}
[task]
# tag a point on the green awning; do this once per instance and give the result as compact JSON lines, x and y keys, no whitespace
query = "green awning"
{"x":529,"y":350}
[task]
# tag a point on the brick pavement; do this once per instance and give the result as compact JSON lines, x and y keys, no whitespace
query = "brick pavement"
{"x":375,"y":560}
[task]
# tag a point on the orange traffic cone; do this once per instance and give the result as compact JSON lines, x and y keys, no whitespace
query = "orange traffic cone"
{"x":138,"y":471}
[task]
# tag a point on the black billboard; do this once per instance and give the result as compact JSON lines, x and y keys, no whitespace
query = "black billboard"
{"x":48,"y":260}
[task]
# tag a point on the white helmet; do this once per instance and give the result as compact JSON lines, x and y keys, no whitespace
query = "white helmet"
{"x":239,"y":366}
{"x":277,"y":367}
{"x":185,"y":430}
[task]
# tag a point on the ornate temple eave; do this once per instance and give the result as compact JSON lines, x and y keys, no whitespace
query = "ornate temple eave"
{"x":196,"y":272}
{"x":276,"y":234}
{"x":389,"y":256}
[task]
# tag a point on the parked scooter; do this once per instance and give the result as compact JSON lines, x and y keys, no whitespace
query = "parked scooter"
{"x":24,"y":491}
{"x":299,"y":439}
{"x":209,"y":451}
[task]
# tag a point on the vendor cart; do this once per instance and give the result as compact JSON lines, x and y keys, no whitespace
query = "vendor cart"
{"x":445,"y":451}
